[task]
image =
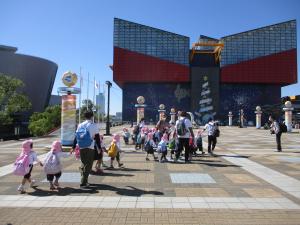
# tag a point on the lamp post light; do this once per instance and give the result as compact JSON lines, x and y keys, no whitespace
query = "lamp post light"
{"x":109,"y":84}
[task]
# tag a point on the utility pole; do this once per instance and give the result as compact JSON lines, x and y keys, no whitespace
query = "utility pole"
{"x":109,"y":84}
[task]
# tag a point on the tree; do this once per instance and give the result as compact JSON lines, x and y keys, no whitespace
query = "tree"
{"x":42,"y":123}
{"x":12,"y":101}
{"x":87,"y":104}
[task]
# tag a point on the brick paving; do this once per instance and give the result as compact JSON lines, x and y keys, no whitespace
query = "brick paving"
{"x":140,"y":178}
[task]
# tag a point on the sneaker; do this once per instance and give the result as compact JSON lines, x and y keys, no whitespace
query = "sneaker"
{"x":84,"y":185}
{"x":147,"y":159}
{"x":121,"y":164}
{"x":21,"y":188}
{"x":32,"y":184}
{"x":99,"y":171}
{"x":52,"y":187}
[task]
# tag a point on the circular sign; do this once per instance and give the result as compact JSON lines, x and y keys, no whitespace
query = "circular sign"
{"x":69,"y":79}
{"x":173,"y":110}
{"x":140,"y":100}
{"x":258,"y":108}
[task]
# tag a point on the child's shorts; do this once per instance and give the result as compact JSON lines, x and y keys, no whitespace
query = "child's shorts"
{"x":97,"y":155}
{"x":28,"y":175}
{"x":50,"y":177}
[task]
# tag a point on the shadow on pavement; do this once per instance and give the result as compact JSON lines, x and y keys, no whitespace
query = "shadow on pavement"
{"x":111,"y":174}
{"x":233,"y":156}
{"x":129,"y":170}
{"x":93,"y":189}
{"x":132,"y":191}
{"x":63,"y":191}
{"x":218,"y":164}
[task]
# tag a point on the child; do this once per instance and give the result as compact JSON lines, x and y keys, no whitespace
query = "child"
{"x":193,"y":148}
{"x":199,"y":141}
{"x":149,"y":146}
{"x":162,"y":148}
{"x":126,"y":135}
{"x":52,"y":164}
{"x":144,"y":132}
{"x":99,"y":155}
{"x":24,"y":164}
{"x":172,"y":139}
{"x":115,"y":144}
{"x":172,"y":146}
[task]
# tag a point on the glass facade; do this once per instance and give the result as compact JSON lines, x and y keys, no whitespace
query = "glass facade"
{"x":151,"y":41}
{"x":259,"y":42}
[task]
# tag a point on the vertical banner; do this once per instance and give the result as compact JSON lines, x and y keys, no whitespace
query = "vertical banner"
{"x":68,"y":119}
{"x":205,"y":93}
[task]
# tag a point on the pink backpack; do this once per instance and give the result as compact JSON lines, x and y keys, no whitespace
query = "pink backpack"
{"x":21,"y":166}
{"x":52,"y":164}
{"x":77,"y":152}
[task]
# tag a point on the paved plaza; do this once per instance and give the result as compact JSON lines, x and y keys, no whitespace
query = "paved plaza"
{"x":247,"y":182}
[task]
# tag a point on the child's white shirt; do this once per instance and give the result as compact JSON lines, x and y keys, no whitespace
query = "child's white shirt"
{"x":32,"y":157}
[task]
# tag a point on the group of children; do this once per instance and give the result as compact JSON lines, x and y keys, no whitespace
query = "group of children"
{"x":151,"y":140}
{"x":52,"y":164}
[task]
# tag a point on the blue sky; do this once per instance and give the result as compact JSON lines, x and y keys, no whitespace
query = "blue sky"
{"x":76,"y":33}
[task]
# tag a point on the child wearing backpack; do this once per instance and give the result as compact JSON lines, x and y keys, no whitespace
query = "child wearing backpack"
{"x":52,"y":164}
{"x":199,"y":141}
{"x":114,"y":151}
{"x":126,"y":135}
{"x":144,"y":132}
{"x":99,"y":155}
{"x":149,"y":146}
{"x":162,"y":148}
{"x":24,"y":164}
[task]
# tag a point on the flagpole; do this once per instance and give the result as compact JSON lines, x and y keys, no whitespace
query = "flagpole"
{"x":87,"y":94}
{"x":80,"y":96}
{"x":94,"y":91}
{"x":104,"y":100}
{"x":99,"y":105}
{"x":94,"y":96}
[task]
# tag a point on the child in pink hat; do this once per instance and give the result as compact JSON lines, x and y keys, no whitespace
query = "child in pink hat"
{"x":99,"y":155}
{"x":149,"y":146}
{"x":52,"y":164}
{"x":116,"y":140}
{"x":24,"y":164}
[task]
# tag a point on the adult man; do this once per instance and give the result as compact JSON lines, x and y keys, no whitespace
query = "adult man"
{"x":137,"y":133}
{"x":212,"y":139}
{"x":184,"y":131}
{"x":275,"y":129}
{"x":87,"y":153}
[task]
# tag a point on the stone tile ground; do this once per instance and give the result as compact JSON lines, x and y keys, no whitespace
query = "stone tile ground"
{"x":140,"y":178}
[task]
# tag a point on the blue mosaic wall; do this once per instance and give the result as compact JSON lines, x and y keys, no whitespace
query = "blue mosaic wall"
{"x":169,"y":94}
{"x":249,"y":96}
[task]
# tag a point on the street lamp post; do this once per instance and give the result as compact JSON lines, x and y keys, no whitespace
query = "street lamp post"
{"x":109,"y":84}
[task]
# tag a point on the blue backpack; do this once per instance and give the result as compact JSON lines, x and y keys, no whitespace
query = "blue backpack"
{"x":83,"y":137}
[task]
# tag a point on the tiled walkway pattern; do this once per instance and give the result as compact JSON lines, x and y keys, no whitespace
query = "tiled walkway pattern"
{"x":146,"y":202}
{"x":279,"y":180}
